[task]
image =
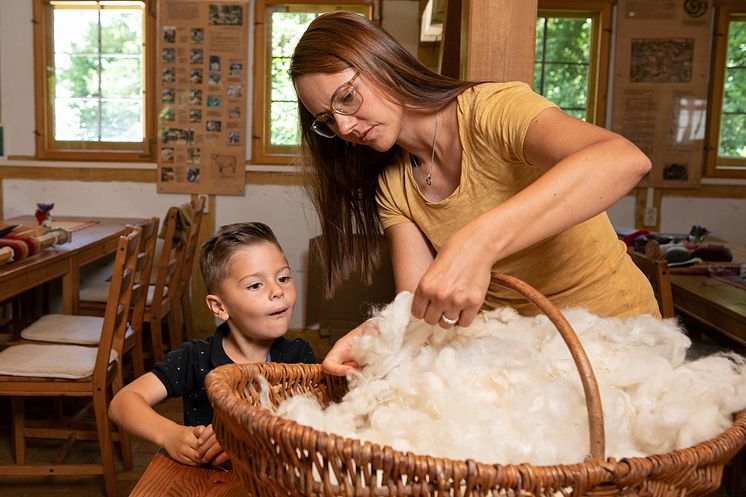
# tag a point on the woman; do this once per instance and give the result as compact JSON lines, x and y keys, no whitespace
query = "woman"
{"x":464,"y":178}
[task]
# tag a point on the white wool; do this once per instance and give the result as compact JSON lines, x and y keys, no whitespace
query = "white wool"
{"x":506,"y":390}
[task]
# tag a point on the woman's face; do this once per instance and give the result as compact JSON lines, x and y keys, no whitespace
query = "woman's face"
{"x":378,"y":121}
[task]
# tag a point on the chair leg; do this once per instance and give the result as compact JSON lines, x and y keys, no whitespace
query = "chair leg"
{"x":125,"y":441}
{"x":103,"y":428}
{"x":138,"y":359}
{"x":156,"y":337}
{"x":175,"y":336}
{"x":19,"y":425}
{"x":186,"y":313}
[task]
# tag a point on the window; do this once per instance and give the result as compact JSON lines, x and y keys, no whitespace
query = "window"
{"x":572,"y":46}
{"x":93,"y":92}
{"x":275,"y":118}
{"x":726,"y":141}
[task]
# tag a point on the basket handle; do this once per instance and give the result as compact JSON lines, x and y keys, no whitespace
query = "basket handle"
{"x":588,"y":379}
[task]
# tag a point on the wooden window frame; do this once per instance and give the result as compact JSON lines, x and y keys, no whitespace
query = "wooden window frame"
{"x":262,"y":152}
{"x":47,"y":148}
{"x":715,"y":166}
{"x":598,"y":72}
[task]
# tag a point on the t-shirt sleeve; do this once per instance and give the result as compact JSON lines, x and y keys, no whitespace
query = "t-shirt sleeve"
{"x":503,"y":114}
{"x":176,"y":372}
{"x":388,"y":212}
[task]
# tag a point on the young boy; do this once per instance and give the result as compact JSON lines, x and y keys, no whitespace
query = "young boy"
{"x":250,"y":288}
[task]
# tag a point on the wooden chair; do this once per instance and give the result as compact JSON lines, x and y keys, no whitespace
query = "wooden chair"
{"x":164,"y":304}
{"x":162,"y":295}
{"x":187,"y":265}
{"x":57,"y":370}
{"x":656,"y":271}
{"x":86,"y":328}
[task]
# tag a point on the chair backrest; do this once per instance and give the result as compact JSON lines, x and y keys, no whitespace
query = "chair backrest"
{"x":148,"y":237}
{"x":192,"y":239}
{"x":167,"y":272}
{"x":118,"y":304}
{"x":656,"y":271}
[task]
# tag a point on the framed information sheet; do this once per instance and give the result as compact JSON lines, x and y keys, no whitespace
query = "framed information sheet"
{"x":660,"y":85}
{"x":202,"y":74}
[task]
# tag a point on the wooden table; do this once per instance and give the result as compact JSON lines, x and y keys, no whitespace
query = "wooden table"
{"x":165,"y":477}
{"x":62,"y":261}
{"x":714,"y":303}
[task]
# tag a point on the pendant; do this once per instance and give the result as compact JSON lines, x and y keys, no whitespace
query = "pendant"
{"x":429,"y":181}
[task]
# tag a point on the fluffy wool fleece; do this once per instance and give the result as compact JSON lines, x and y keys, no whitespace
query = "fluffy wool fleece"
{"x":506,"y":390}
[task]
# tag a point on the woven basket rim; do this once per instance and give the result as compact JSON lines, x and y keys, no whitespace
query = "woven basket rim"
{"x":611,"y":470}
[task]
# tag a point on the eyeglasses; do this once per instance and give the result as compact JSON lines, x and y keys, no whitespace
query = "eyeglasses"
{"x":346,"y":100}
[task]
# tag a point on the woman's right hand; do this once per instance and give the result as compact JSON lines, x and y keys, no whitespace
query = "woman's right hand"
{"x":339,"y":360}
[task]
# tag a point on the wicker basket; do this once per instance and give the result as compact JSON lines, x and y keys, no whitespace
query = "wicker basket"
{"x":275,"y":456}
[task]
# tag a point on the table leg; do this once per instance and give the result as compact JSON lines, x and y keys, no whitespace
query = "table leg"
{"x":71,"y":288}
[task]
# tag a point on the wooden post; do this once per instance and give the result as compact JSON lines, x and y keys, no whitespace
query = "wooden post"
{"x":497,"y":40}
{"x":202,"y":319}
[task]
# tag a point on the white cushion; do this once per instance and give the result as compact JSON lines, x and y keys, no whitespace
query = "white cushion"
{"x":99,"y":292}
{"x":95,"y":292}
{"x":49,"y":361}
{"x":63,"y":328}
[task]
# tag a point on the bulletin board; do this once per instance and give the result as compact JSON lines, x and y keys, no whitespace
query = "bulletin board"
{"x":660,"y":85}
{"x":201,"y":95}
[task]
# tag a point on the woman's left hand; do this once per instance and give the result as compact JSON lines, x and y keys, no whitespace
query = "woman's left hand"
{"x":453,"y":288}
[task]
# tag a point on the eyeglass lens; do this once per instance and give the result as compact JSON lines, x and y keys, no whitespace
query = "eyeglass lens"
{"x":346,"y":101}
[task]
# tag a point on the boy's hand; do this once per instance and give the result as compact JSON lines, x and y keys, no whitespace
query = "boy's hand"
{"x":181,"y":443}
{"x":339,"y":360}
{"x":209,"y":450}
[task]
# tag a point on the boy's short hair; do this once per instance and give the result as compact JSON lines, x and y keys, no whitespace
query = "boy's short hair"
{"x":219,"y":248}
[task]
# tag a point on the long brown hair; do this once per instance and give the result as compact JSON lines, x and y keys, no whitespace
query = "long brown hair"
{"x":342,"y":176}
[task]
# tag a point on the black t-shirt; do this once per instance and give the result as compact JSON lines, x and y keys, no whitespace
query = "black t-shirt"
{"x":183,"y":370}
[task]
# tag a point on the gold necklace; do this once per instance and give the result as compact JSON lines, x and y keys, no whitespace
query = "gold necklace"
{"x":429,"y":178}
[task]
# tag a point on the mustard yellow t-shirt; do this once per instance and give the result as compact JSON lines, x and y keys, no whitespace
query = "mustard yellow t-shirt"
{"x":584,"y":266}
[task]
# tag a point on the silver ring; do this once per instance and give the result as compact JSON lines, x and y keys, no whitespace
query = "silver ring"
{"x":448,"y":320}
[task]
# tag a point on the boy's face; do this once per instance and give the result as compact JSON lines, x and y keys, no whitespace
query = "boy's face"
{"x":258,"y":294}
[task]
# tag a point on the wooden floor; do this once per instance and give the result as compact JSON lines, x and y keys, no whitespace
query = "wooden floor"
{"x":82,"y":452}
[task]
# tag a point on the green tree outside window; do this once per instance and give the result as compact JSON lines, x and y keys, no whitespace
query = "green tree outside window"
{"x":732,"y":142}
{"x":563,"y":52}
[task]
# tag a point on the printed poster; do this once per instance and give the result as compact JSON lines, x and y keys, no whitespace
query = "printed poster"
{"x":660,"y":85}
{"x":202,"y":75}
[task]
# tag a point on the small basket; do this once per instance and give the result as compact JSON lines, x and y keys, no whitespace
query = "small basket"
{"x":275,"y":456}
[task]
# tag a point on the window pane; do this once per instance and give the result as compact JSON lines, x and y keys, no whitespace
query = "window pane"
{"x":76,"y":119}
{"x":733,"y":131}
{"x":76,"y":31}
{"x":282,"y":86}
{"x":76,"y":75}
{"x":540,"y":22}
{"x":120,"y":77}
{"x":566,"y":85}
{"x":285,"y":123}
{"x":568,"y":40}
{"x":733,"y":113}
{"x":563,"y":61}
{"x":121,"y":120}
{"x":121,"y":31}
{"x":286,"y":30}
{"x":99,"y":85}
{"x":734,"y":93}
